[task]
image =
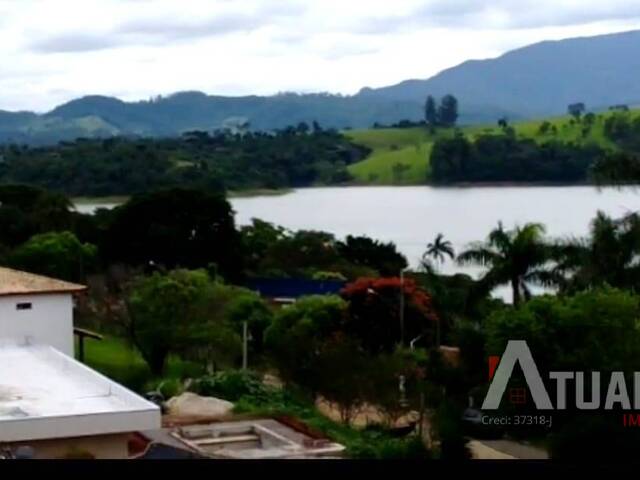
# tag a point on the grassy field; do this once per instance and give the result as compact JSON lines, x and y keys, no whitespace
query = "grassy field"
{"x":117,"y":359}
{"x":401,"y":156}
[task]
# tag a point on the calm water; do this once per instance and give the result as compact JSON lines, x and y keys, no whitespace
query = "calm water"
{"x":412,"y":216}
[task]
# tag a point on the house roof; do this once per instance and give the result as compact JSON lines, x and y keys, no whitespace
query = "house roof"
{"x":15,"y":282}
{"x":44,"y":394}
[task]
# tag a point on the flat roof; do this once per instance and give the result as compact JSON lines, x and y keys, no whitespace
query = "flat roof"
{"x":15,"y":282}
{"x":45,"y":394}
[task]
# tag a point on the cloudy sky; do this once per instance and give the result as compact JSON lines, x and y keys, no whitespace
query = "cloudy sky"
{"x":55,"y":50}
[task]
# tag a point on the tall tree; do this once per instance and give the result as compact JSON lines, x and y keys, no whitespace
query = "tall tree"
{"x":576,"y":110}
{"x":439,"y":249}
{"x":515,"y":257}
{"x":56,"y":254}
{"x":448,"y":111}
{"x":176,"y":228}
{"x":430,"y":112}
{"x":382,"y":257}
{"x":376,"y":317}
{"x":181,"y":312}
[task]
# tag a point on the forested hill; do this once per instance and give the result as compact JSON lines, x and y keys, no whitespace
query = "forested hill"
{"x":293,"y":157}
{"x":98,"y":116}
{"x":531,"y":82}
{"x":554,"y":150}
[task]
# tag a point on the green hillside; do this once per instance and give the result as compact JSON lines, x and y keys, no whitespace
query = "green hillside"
{"x":400,"y":156}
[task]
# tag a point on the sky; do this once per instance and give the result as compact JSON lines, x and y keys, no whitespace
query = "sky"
{"x":52,"y":51}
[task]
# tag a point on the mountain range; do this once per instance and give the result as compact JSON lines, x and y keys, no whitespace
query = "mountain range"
{"x":534,"y":81}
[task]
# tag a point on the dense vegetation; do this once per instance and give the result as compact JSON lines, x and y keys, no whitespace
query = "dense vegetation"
{"x":504,"y":158}
{"x":294,"y":157}
{"x":177,"y":310}
{"x":563,"y":149}
{"x":570,"y":149}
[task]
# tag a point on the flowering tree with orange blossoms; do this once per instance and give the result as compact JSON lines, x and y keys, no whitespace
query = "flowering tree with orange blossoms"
{"x":375,"y":313}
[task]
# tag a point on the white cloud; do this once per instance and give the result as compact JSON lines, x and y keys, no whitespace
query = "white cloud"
{"x":53,"y":51}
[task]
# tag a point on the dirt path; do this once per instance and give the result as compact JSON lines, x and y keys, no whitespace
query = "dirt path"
{"x":505,"y":450}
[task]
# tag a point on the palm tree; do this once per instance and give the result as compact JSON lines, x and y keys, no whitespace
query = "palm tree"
{"x":440,"y":248}
{"x":609,"y":255}
{"x":515,"y":257}
{"x":437,"y":250}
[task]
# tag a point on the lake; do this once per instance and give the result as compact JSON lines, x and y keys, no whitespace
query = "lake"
{"x":411,"y":217}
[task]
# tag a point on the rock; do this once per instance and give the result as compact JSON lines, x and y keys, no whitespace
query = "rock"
{"x":192,"y":405}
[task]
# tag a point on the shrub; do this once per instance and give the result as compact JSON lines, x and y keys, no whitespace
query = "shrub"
{"x":453,"y":444}
{"x":232,"y":385}
{"x":168,"y":387}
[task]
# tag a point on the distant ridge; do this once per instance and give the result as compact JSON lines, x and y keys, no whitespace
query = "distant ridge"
{"x":540,"y":79}
{"x":534,"y":81}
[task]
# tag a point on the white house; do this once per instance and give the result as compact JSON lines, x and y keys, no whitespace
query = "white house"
{"x":50,"y":403}
{"x":36,"y":309}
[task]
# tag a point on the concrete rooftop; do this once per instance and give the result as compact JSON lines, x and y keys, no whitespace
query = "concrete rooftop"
{"x":46,"y":394}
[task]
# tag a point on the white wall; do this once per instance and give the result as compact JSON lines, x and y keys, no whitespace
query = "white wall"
{"x":50,"y":320}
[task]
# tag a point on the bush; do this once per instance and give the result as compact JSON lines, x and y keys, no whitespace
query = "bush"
{"x":453,"y":444}
{"x":232,"y":385}
{"x":168,"y":387}
{"x":374,"y":443}
{"x":381,"y":447}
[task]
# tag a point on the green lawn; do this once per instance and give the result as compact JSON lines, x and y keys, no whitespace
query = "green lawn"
{"x":117,"y":359}
{"x":410,"y":148}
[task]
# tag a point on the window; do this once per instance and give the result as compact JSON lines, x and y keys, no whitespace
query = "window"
{"x":518,"y":396}
{"x":24,"y":306}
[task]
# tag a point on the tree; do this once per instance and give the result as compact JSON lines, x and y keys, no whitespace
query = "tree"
{"x":175,"y":228}
{"x":56,"y":254}
{"x":545,"y":127}
{"x":576,"y":110}
{"x":589,"y":119}
{"x":448,"y":111}
{"x":594,"y":330}
{"x":375,"y":316}
{"x":179,"y":312}
{"x":341,"y":373}
{"x":297,"y":333}
{"x":26,"y":211}
{"x":514,"y":257}
{"x":438,"y":250}
{"x":617,"y":168}
{"x":505,"y":157}
{"x":383,"y":257}
{"x":607,"y":257}
{"x":302,"y":253}
{"x":249,"y":307}
{"x":430,"y":112}
{"x":257,"y":239}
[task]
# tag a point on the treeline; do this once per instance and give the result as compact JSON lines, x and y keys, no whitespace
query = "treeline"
{"x":174,"y":228}
{"x":504,"y":157}
{"x":294,"y":157}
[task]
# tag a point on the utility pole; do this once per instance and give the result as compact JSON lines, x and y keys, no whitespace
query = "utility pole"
{"x":245,"y":341}
{"x":402,"y":306}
